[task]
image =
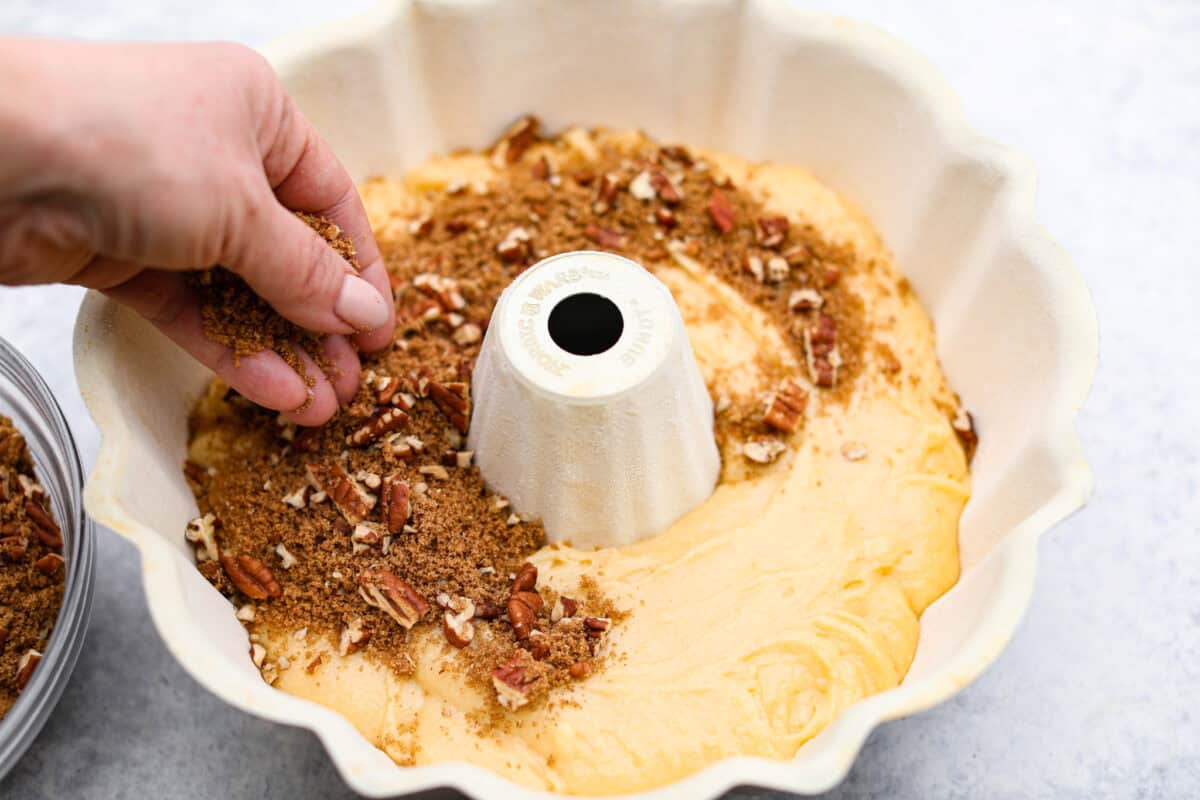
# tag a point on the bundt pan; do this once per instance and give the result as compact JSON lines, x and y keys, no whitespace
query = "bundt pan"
{"x":759,"y":78}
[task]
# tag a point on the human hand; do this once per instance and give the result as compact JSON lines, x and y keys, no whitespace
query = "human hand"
{"x":124,"y":165}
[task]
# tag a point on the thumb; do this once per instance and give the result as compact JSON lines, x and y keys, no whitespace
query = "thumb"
{"x":291,"y":267}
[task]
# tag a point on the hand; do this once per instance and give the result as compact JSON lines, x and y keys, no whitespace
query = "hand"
{"x":122,"y":165}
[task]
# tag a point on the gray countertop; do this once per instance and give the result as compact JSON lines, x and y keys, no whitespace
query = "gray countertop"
{"x":1098,"y":694}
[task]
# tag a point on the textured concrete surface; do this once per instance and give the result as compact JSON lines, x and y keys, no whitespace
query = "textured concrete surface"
{"x":1099,"y":693}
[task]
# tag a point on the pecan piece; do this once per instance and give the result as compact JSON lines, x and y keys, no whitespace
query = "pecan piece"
{"x":605,"y":237}
{"x":579,"y":670}
{"x":786,"y":407}
{"x":666,"y":188}
{"x":26,"y":666}
{"x":486,"y":610}
{"x":606,"y":192}
{"x":251,"y":577}
{"x":526,"y":578}
{"x":353,"y":501}
{"x":763,"y":451}
{"x":353,"y":636}
{"x":202,"y":532}
{"x":539,"y":648}
{"x":515,"y":141}
{"x":43,"y":524}
{"x":14,"y":547}
{"x":677,"y":153}
{"x":514,"y":246}
{"x":964,"y":427}
{"x":771,"y":231}
{"x":49,"y":564}
{"x":456,"y":622}
{"x":394,"y":500}
{"x":380,"y":423}
{"x":394,"y":596}
{"x":805,"y":300}
{"x":511,"y":684}
{"x":721,"y":211}
{"x":440,"y":288}
{"x":820,"y":347}
{"x":523,"y":609}
{"x":454,"y":400}
{"x":665,"y":217}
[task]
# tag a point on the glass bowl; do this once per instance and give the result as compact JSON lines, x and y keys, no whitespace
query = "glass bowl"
{"x":26,"y":398}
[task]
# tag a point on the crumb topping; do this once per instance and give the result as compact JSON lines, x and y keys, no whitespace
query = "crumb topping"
{"x":32,"y":569}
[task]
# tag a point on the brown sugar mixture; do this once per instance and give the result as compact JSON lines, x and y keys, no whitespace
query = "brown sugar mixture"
{"x":376,"y":527}
{"x":234,"y":316}
{"x":32,"y":571}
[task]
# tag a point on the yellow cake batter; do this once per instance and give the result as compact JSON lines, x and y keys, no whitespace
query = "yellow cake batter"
{"x":759,"y":617}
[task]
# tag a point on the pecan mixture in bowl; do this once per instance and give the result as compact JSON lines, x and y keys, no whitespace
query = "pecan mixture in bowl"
{"x":374,"y":538}
{"x":32,"y":570}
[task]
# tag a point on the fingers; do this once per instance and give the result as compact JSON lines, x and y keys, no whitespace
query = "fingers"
{"x":264,"y":378}
{"x":322,"y":403}
{"x":345,"y":370}
{"x":306,"y":175}
{"x":291,"y":267}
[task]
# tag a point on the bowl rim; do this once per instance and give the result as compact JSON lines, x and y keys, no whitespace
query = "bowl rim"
{"x":34,"y":705}
{"x":806,"y":773}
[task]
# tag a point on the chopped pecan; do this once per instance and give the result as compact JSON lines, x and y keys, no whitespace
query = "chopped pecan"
{"x":828,"y":277}
{"x":596,"y":626}
{"x":440,"y":288}
{"x":763,"y":451}
{"x":606,"y":192}
{"x":665,"y":217}
{"x":964,"y":426}
{"x":456,"y":622}
{"x":49,"y":564}
{"x":579,"y":670}
{"x":538,"y":647}
{"x":202,"y":532}
{"x":771,"y":231}
{"x":563,"y":607}
{"x":514,"y":246}
{"x":392,"y":595}
{"x":605,"y":237}
{"x":26,"y":666}
{"x":777,"y":269}
{"x":820,"y":347}
{"x":467,"y":335}
{"x":786,"y":407}
{"x":805,"y":300}
{"x":667,"y":190}
{"x":526,"y":580}
{"x":43,"y":524}
{"x":383,"y":421}
{"x":677,"y":153}
{"x":515,"y":141}
{"x":353,"y":636}
{"x":454,"y":400}
{"x":486,"y":610}
{"x":14,"y":547}
{"x":523,"y":609}
{"x":366,"y":535}
{"x":394,"y":499}
{"x":723,"y":215}
{"x":251,"y":577}
{"x":641,"y":188}
{"x":353,"y":501}
{"x":511,"y":684}
{"x":754,"y":266}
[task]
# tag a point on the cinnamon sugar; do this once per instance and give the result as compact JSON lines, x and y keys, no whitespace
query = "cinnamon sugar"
{"x":32,"y":572}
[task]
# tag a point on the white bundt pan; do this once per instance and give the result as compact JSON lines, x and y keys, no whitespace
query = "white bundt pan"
{"x":1016,"y":327}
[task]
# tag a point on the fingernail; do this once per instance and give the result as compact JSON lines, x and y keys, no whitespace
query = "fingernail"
{"x":360,"y":305}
